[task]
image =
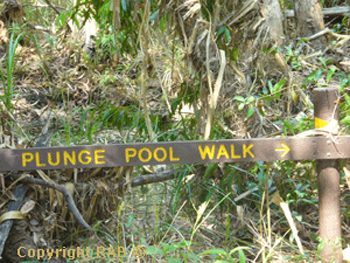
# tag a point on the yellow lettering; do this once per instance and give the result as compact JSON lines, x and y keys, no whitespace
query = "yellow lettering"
{"x":121,"y":252}
{"x":71,"y":253}
{"x":233,"y":155}
{"x":41,"y":253}
{"x":31,"y":253}
{"x":100,"y":251}
{"x":130,"y":152}
{"x":82,"y":254}
{"x":165,"y":154}
{"x":64,"y":250}
{"x":87,"y":157}
{"x":88,"y":252}
{"x":222,"y":151}
{"x":172,"y":158}
{"x":247,"y":150}
{"x":37,"y":160}
{"x":71,"y":158}
{"x":58,"y":159}
{"x":19,"y":252}
{"x":58,"y":251}
{"x":49,"y":252}
{"x":149,"y":155}
{"x":111,"y":252}
{"x":27,"y":157}
{"x":206,"y":151}
{"x":97,"y":156}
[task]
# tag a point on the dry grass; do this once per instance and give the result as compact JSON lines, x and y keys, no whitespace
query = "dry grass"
{"x":49,"y":89}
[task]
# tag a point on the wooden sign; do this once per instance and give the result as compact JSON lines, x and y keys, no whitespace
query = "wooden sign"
{"x":237,"y":150}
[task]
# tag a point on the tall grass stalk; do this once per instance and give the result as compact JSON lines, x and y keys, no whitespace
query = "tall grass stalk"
{"x":200,"y":220}
{"x":10,"y":62}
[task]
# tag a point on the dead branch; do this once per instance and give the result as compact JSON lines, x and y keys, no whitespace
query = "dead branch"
{"x":53,"y":7}
{"x":154,"y":178}
{"x":332,"y":11}
{"x":70,"y":202}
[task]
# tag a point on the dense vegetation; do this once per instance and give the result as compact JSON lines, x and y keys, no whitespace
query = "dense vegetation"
{"x":145,"y":79}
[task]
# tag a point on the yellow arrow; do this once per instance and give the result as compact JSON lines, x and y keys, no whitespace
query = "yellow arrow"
{"x":285,"y":149}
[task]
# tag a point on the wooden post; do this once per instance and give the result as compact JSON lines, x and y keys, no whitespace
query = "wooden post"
{"x":326,"y":111}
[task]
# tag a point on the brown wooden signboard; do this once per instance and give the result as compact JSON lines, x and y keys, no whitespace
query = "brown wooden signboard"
{"x":325,"y":150}
{"x":237,"y":150}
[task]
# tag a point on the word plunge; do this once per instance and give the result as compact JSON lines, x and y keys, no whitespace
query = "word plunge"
{"x":59,"y":158}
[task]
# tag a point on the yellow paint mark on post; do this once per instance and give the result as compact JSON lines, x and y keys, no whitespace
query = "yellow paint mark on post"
{"x":319,"y":123}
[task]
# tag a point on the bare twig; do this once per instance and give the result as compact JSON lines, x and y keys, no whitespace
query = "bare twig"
{"x":53,"y":7}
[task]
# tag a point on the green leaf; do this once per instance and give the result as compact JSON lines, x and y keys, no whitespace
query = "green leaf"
{"x":269,"y":83}
{"x":239,"y":98}
{"x":242,"y":258}
{"x":312,"y":76}
{"x":169,"y":248}
{"x":218,"y":251}
{"x":277,"y":88}
{"x":124,"y":5}
{"x":302,"y":40}
{"x":250,"y":111}
{"x":240,"y":106}
{"x":173,"y":260}
{"x":153,"y":16}
{"x":288,"y":126}
{"x":221,"y":31}
{"x":346,"y":120}
{"x":227,"y":35}
{"x":250,"y":99}
{"x":182,"y":244}
{"x":154,"y":251}
{"x":130,"y":220}
{"x":237,"y":249}
{"x":323,"y":61}
{"x":330,"y":73}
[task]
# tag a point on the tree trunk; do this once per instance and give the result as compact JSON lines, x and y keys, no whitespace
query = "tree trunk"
{"x":272,"y":12}
{"x":309,"y":19}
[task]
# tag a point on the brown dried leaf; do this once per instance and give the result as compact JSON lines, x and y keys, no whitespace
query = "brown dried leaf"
{"x":27,"y":207}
